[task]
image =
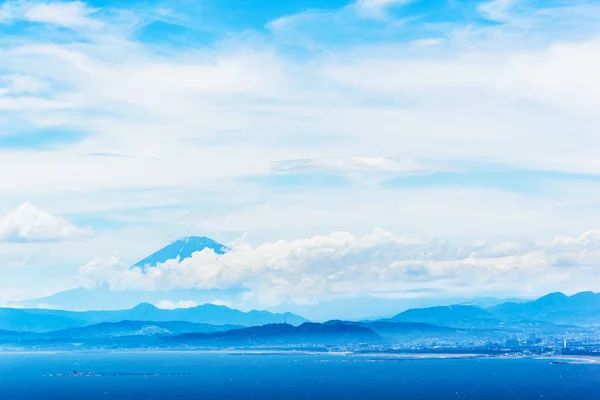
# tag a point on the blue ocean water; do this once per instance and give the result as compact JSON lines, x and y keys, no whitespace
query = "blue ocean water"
{"x":226,"y":376}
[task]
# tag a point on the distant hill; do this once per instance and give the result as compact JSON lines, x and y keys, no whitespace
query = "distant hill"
{"x":181,"y":249}
{"x":554,"y":312}
{"x":137,"y":328}
{"x":14,"y":336}
{"x":448,"y":316}
{"x":150,"y":335}
{"x":148,"y":327}
{"x":42,"y":320}
{"x":102,"y":298}
{"x":405,"y":328}
{"x":25,"y":321}
{"x":579,"y":309}
{"x":307,"y":333}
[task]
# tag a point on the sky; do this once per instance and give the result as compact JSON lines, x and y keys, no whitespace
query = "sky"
{"x":383,"y":148}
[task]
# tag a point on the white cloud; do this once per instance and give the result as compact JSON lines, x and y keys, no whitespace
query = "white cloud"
{"x":376,"y":8}
{"x":22,"y":84}
{"x":222,"y":303}
{"x":396,"y":165}
{"x":199,"y":120}
{"x":26,"y":103}
{"x":294,"y":21}
{"x":496,"y":9}
{"x":7,"y":11}
{"x":358,"y":10}
{"x":427,"y":42}
{"x":381,"y":264}
{"x":30,"y":224}
{"x":68,"y":14}
{"x":73,"y":14}
{"x":170,"y":305}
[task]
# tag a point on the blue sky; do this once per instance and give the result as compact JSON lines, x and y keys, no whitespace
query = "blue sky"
{"x":125,"y":125}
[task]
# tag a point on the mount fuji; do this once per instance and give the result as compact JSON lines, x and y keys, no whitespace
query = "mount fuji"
{"x":102,"y":298}
{"x":181,"y":249}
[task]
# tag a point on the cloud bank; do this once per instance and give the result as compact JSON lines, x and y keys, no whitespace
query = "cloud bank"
{"x":306,"y":271}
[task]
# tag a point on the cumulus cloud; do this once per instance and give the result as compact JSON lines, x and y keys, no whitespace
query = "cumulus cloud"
{"x":30,"y":224}
{"x":309,"y":270}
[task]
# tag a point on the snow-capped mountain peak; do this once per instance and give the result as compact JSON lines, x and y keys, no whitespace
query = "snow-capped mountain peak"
{"x":182,"y":248}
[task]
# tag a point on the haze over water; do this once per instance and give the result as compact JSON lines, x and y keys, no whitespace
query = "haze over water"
{"x":197,"y":375}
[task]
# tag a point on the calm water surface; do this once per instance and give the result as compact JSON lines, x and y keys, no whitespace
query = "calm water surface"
{"x":225,"y":376}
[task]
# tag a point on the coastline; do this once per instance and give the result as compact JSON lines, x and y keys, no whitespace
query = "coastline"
{"x":370,"y":356}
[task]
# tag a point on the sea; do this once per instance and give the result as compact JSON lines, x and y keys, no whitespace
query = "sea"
{"x":224,"y":376}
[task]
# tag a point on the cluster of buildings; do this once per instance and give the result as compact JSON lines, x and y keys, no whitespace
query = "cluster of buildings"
{"x":500,"y":345}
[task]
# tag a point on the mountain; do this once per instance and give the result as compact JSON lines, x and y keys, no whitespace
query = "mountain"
{"x":152,"y":335}
{"x":558,"y":308}
{"x":401,"y":331}
{"x":23,"y":321}
{"x":405,"y":328}
{"x":44,"y":320}
{"x":137,"y":328}
{"x":306,"y":334}
{"x":108,"y":334}
{"x":368,"y":307}
{"x":554,"y":312}
{"x":102,"y":298}
{"x":181,"y":249}
{"x":206,"y":314}
{"x":449,"y":316}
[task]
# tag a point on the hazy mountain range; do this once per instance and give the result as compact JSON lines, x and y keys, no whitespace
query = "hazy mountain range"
{"x":102,"y":298}
{"x":146,"y":326}
{"x":209,"y":325}
{"x":273,"y":334}
{"x":44,"y":320}
{"x":545,"y":313}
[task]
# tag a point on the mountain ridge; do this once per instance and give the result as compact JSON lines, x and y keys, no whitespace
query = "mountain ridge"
{"x":306,"y":333}
{"x":556,"y":308}
{"x":456,"y":316}
{"x":45,"y":320}
{"x":581,"y":308}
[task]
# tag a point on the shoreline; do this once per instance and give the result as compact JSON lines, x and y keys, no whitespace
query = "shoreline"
{"x":371,"y":356}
